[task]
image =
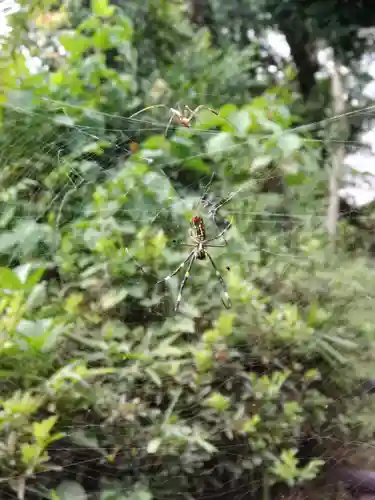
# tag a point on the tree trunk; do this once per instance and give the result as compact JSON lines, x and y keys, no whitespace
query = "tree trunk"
{"x":202,"y":16}
{"x":303,"y":48}
{"x":338,"y":152}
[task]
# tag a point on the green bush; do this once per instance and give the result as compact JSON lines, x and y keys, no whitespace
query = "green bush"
{"x":102,"y":364}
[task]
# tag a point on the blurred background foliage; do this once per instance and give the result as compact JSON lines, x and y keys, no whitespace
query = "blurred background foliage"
{"x":105,"y":393}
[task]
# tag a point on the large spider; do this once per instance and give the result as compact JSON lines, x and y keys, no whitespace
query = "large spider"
{"x":201,"y":243}
{"x":183,"y":117}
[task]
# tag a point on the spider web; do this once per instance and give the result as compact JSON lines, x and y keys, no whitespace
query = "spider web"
{"x":57,"y":179}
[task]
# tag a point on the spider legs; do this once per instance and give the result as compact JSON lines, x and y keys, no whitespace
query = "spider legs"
{"x":184,"y":280}
{"x":213,"y":211}
{"x":221,"y":234}
{"x":178,"y":268}
{"x":174,"y":114}
{"x":191,"y":258}
{"x":146,"y":109}
{"x":227,"y":302}
{"x":197,"y":109}
{"x":211,"y":246}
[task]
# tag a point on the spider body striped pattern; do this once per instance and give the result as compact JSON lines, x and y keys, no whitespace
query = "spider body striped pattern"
{"x":199,"y":251}
{"x":198,"y":233}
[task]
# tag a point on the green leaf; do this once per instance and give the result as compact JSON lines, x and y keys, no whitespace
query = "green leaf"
{"x":90,"y":23}
{"x":295,"y":179}
{"x":8,"y":240}
{"x":137,"y":357}
{"x":241,"y":121}
{"x":261,"y":161}
{"x":312,"y":374}
{"x":250,"y":425}
{"x":156,"y":142}
{"x":217,"y":401}
{"x":168,"y":351}
{"x":41,"y":430}
{"x":227,"y":110}
{"x":313,"y":314}
{"x":28,"y":276}
{"x":154,"y":376}
{"x":101,"y":8}
{"x":96,"y":372}
{"x":289,"y":143}
{"x":220,"y":143}
{"x":75,"y":44}
{"x":126,"y":27}
{"x":203,"y":360}
{"x":22,"y":403}
{"x":64,"y":120}
{"x":331,"y":354}
{"x":9,"y":280}
{"x":186,"y":325}
{"x":138,"y":494}
{"x":71,"y":490}
{"x":82,"y":439}
{"x":30,"y":453}
{"x":112,"y":298}
{"x":346,"y":343}
{"x":153,"y":445}
{"x":224,"y":324}
{"x":198,"y":165}
{"x":210,"y":448}
{"x":27,"y":235}
{"x":31,"y":329}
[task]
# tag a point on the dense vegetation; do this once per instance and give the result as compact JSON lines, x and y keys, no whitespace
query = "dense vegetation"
{"x":105,"y":392}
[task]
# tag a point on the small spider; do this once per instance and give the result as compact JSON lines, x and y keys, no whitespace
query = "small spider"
{"x":183,"y":117}
{"x":201,"y":243}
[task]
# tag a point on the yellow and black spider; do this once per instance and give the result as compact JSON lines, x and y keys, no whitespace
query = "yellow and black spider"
{"x":200,"y":245}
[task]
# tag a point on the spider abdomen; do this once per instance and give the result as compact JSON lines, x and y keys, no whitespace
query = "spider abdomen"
{"x":199,"y":228}
{"x":201,"y":255}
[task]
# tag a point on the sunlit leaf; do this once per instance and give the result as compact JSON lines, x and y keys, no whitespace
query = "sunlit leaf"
{"x":295,"y":179}
{"x":217,"y":401}
{"x":102,"y":8}
{"x":41,"y":430}
{"x":203,"y":443}
{"x":30,"y":453}
{"x":261,"y":162}
{"x":154,"y":376}
{"x":69,"y":490}
{"x":153,"y":445}
{"x":289,"y":143}
{"x":66,"y":120}
{"x":241,"y":121}
{"x":112,"y":298}
{"x":29,"y":275}
{"x":220,"y":143}
{"x":340,"y":341}
{"x":9,"y":280}
{"x":198,"y":165}
{"x":75,"y":44}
